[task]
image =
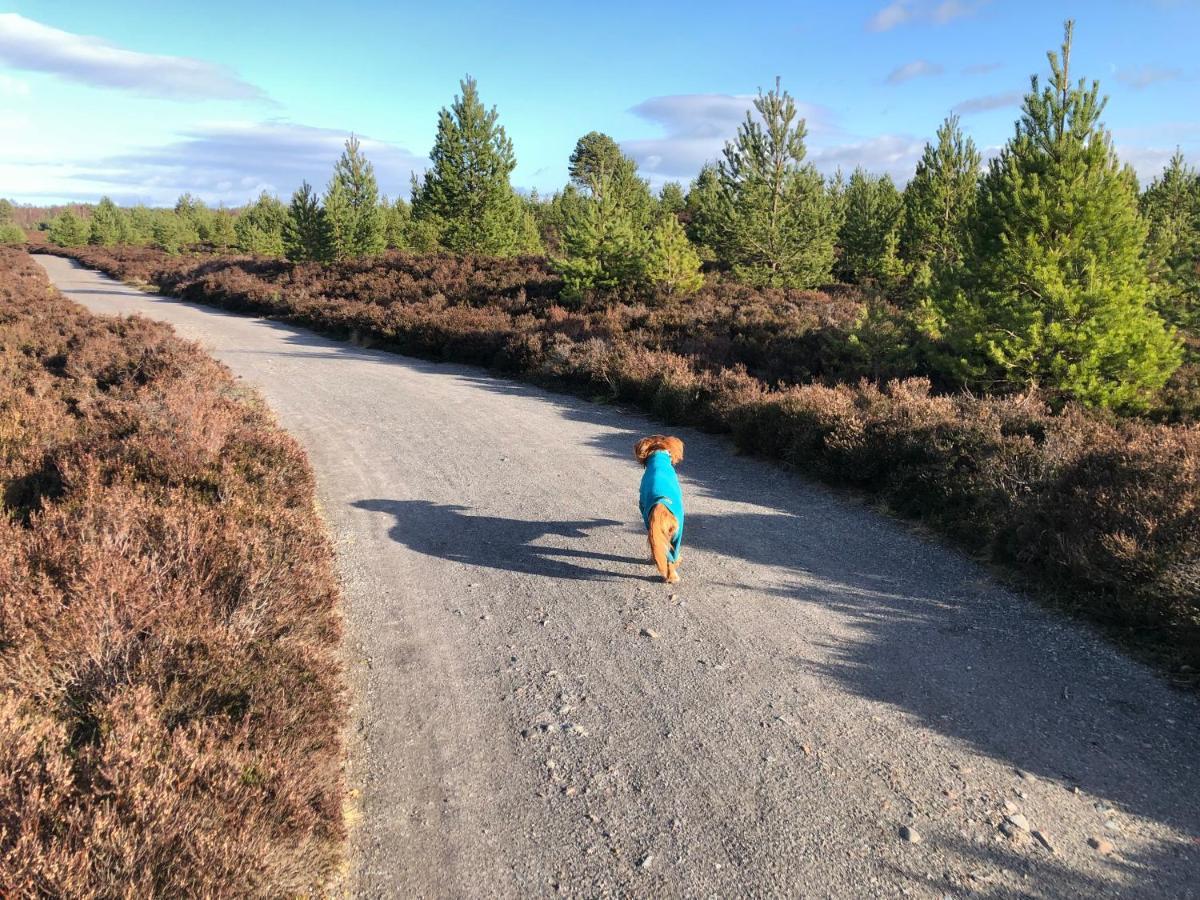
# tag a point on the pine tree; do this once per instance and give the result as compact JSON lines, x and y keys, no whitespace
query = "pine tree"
{"x":11,"y":234}
{"x":221,"y":233}
{"x":465,"y":198}
{"x":597,"y":166}
{"x":1171,"y":207}
{"x":259,"y":228}
{"x":671,"y":199}
{"x":192,"y":217}
{"x":706,"y":212}
{"x":167,"y":233}
{"x":938,"y":202}
{"x":781,"y":226}
{"x":68,"y":230}
{"x":306,"y":233}
{"x":1054,"y":290}
{"x":6,"y":210}
{"x":672,"y":263}
{"x":108,"y":225}
{"x":604,"y":230}
{"x":396,"y":219}
{"x":352,"y":206}
{"x":870,"y":230}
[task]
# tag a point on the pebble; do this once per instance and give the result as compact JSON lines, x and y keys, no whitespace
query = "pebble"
{"x":910,"y":834}
{"x":1044,"y":841}
{"x":650,"y":633}
{"x":1018,"y":821}
{"x":1101,"y":846}
{"x":646,"y":860}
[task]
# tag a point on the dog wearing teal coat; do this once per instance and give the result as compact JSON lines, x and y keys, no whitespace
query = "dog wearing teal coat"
{"x":661,"y":501}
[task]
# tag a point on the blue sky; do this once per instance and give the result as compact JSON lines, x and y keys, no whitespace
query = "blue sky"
{"x":144,"y":100}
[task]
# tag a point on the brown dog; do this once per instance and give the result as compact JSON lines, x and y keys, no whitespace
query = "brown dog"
{"x":661,"y":501}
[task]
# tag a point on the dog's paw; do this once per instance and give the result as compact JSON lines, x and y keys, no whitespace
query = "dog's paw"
{"x":673,"y":578}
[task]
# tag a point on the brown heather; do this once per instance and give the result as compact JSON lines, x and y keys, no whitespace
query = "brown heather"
{"x":170,"y":692}
{"x":1103,"y":514}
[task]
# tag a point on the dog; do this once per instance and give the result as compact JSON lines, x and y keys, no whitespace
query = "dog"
{"x":661,"y":501}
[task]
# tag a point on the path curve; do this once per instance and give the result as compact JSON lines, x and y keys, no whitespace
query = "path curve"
{"x":538,"y":716}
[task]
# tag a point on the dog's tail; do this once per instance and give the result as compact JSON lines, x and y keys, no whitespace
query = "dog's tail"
{"x":662,"y":529}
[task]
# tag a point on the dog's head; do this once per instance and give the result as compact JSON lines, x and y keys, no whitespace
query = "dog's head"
{"x":673,"y":445}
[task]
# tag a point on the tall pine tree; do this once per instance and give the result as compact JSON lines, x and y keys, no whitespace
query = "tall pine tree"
{"x":870,"y":230}
{"x":356,"y":226}
{"x":780,"y":226}
{"x":938,"y":202}
{"x":466,"y":198}
{"x":1054,"y":290}
{"x":306,"y":233}
{"x":109,"y":225}
{"x":1171,"y":207}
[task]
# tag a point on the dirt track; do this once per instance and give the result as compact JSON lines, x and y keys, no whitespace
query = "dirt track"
{"x":538,"y":715}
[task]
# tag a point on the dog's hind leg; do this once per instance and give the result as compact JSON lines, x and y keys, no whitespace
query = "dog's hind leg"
{"x":662,"y":529}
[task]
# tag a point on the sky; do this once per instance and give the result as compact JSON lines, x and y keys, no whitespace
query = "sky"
{"x":143,"y":101}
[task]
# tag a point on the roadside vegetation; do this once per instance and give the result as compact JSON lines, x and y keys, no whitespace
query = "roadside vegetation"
{"x":1009,"y":353}
{"x":170,"y":693}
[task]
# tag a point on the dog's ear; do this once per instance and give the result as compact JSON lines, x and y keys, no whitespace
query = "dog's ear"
{"x":674,"y":446}
{"x":643,"y":448}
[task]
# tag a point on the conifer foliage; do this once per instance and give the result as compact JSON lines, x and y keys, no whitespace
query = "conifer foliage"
{"x":871,"y":229}
{"x":306,"y":236}
{"x":938,"y":202}
{"x":1171,"y":206}
{"x":1054,"y":291}
{"x":465,"y":198}
{"x":776,"y":224}
{"x":352,"y":212}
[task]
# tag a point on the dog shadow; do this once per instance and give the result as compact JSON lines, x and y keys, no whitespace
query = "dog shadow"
{"x":454,"y":533}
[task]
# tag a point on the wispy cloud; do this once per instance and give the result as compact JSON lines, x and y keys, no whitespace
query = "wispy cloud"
{"x":696,"y":127}
{"x":894,"y":154}
{"x":13,"y":87}
{"x":1142,"y":77}
{"x":992,"y":101}
{"x":32,"y":46}
{"x":937,"y":12}
{"x":915,"y":69}
{"x":227,"y":163}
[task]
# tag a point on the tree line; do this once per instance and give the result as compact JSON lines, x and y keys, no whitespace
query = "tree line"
{"x":1048,"y":267}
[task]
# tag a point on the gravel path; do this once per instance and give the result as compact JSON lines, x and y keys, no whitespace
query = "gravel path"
{"x":828,"y":705}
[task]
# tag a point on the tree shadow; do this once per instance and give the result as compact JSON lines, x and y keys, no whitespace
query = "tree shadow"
{"x":453,"y":533}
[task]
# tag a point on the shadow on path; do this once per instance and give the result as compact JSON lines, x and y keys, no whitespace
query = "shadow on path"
{"x":453,"y":533}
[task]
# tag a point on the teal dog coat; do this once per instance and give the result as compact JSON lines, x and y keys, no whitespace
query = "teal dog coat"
{"x":660,"y":484}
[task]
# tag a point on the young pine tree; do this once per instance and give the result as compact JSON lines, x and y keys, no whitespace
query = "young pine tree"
{"x":352,"y":206}
{"x":938,"y":202}
{"x":671,"y":199}
{"x":707,"y":212}
{"x":780,"y":226}
{"x":109,"y":225}
{"x":465,"y":198}
{"x":870,"y":230}
{"x":68,"y":230}
{"x":1054,"y":291}
{"x":306,"y":233}
{"x":1171,"y":207}
{"x":396,"y":219}
{"x":604,"y":232}
{"x":221,"y":231}
{"x":672,"y":264}
{"x":259,"y":229}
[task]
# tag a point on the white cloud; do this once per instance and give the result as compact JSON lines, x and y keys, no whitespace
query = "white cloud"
{"x":895,"y":154}
{"x":990,"y":102}
{"x":904,"y":12}
{"x":13,"y":87}
{"x":226,"y":163}
{"x":696,"y":127}
{"x":1141,"y":78}
{"x":915,"y":69}
{"x":32,"y":46}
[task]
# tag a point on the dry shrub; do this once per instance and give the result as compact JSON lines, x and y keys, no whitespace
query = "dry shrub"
{"x":1105,"y":514}
{"x":170,"y":696}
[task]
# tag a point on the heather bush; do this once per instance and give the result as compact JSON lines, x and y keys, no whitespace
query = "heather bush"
{"x":170,"y":695}
{"x":1104,"y":513}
